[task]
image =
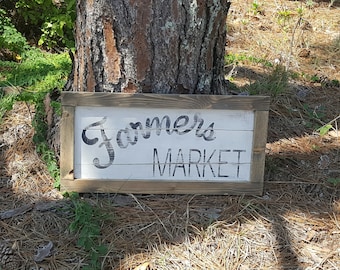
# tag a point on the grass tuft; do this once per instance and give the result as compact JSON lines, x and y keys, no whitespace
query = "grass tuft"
{"x":87,"y":223}
{"x":275,"y":84}
{"x":38,"y":74}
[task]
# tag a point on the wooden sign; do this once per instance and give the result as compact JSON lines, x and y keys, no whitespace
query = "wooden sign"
{"x":153,"y":143}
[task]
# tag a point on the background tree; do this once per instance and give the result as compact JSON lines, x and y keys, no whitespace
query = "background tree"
{"x":150,"y":46}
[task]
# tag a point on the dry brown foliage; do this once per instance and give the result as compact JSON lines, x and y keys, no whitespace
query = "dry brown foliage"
{"x":294,"y":225}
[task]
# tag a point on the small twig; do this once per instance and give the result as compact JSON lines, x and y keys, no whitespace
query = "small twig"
{"x":143,"y":208}
{"x":334,"y":120}
{"x":136,"y":200}
{"x":16,"y":212}
{"x":292,"y":43}
{"x":231,"y":72}
{"x":188,"y":215}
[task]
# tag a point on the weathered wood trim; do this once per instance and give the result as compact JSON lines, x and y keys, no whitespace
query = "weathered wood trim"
{"x":161,"y":187}
{"x":67,"y":143}
{"x":214,"y":102}
{"x":260,"y":105}
{"x":259,"y":145}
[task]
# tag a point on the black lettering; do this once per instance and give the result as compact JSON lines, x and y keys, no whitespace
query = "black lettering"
{"x":220,"y":162}
{"x":238,"y":160}
{"x":106,"y":142}
{"x":109,"y":150}
{"x":166,"y":119}
{"x":128,"y":138}
{"x":166,"y":162}
{"x":207,"y":134}
{"x":135,"y":126}
{"x":206,"y":162}
{"x":179,"y":162}
{"x":94,"y":140}
{"x":130,"y":135}
{"x":194,"y":162}
{"x":198,"y":129}
{"x":178,"y":125}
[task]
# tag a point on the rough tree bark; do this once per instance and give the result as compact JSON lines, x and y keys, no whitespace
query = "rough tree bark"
{"x":149,"y":46}
{"x":158,"y":46}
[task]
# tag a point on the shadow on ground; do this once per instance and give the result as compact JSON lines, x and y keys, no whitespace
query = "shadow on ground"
{"x":294,"y":225}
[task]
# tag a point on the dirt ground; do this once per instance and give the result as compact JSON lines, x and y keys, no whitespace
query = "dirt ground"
{"x":295,"y":224}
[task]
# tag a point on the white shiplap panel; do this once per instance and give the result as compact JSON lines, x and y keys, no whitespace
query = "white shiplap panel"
{"x":215,"y":145}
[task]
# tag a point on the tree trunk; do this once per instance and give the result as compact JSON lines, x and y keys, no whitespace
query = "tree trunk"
{"x":159,"y":46}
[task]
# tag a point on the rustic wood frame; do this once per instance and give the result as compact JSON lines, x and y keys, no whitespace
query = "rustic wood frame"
{"x":258,"y":104}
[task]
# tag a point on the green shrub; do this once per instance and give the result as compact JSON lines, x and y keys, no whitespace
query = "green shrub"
{"x":10,"y":38}
{"x":87,"y":223}
{"x":6,"y":103}
{"x":275,"y":84}
{"x":38,"y":73}
{"x":55,"y":20}
{"x":236,"y":59}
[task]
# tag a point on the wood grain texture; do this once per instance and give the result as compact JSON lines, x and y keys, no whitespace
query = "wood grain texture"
{"x":259,"y":145}
{"x":67,"y":143}
{"x":161,"y":187}
{"x":215,"y":102}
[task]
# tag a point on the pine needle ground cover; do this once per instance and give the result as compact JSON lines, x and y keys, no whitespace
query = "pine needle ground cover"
{"x":288,"y":50}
